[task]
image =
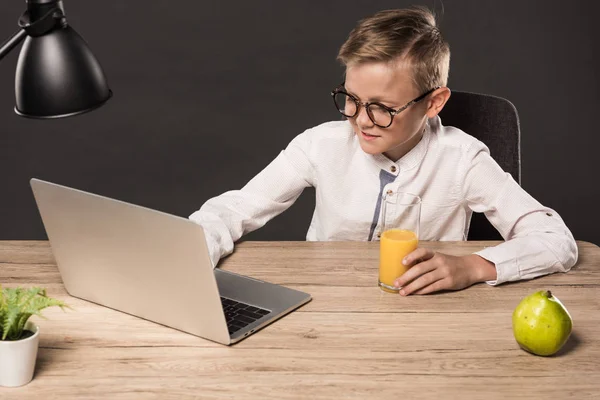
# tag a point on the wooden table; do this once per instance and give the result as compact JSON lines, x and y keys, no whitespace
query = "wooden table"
{"x":351,"y":341}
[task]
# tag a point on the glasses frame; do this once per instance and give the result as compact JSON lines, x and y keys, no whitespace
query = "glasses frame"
{"x":393,"y":112}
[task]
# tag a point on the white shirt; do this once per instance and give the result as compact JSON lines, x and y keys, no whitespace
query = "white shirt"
{"x":451,"y":171}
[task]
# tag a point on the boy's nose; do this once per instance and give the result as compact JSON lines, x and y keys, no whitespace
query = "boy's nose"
{"x":362,"y":118}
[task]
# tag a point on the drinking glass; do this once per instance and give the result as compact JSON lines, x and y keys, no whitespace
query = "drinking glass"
{"x":400,"y":215}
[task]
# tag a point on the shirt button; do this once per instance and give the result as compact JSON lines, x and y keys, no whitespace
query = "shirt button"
{"x":393,"y":169}
{"x":549,"y":214}
{"x":390,"y":192}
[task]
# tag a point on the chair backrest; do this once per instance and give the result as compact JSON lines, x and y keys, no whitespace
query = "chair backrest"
{"x":495,"y":122}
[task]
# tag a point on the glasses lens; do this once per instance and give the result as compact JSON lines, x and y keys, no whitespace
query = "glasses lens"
{"x":345,"y":104}
{"x":380,"y":115}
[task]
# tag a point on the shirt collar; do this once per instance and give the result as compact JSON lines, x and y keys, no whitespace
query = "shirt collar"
{"x":411,"y":159}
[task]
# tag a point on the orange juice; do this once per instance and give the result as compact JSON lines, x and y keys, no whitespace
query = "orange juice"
{"x":394,"y":245}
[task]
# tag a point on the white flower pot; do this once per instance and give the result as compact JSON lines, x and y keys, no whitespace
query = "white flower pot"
{"x":17,"y":358}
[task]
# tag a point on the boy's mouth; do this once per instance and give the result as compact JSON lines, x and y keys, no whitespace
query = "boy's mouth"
{"x":367,"y":136}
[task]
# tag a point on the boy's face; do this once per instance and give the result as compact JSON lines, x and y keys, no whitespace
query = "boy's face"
{"x":391,"y":85}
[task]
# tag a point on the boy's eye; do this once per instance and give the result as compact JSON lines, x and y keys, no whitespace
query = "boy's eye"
{"x":380,"y":114}
{"x":345,"y":104}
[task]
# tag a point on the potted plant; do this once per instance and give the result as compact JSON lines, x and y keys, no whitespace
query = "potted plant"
{"x":19,"y":337}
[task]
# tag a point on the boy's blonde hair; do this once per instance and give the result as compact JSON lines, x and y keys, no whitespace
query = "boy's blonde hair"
{"x":408,"y":36}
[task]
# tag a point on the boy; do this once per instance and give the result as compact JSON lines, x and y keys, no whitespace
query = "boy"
{"x":393,"y":140}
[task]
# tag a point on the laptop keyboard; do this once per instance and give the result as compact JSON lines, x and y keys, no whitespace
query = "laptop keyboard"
{"x":239,"y":315}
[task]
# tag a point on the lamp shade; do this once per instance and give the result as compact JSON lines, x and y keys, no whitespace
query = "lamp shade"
{"x":58,"y":76}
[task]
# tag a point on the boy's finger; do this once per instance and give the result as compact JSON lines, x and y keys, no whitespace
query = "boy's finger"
{"x":413,"y":273}
{"x":421,"y":283}
{"x":418,"y":255}
{"x":436,"y":286}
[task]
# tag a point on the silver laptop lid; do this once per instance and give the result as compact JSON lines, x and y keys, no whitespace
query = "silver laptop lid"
{"x":133,"y":259}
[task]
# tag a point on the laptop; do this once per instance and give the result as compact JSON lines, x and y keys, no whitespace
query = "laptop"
{"x":153,"y":265}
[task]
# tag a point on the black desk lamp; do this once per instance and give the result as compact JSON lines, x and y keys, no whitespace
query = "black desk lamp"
{"x":57,"y":74}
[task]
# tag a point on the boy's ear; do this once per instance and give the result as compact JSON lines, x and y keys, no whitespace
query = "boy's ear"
{"x":437,"y":100}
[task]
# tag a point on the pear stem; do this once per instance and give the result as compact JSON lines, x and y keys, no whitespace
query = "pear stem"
{"x":548,"y":294}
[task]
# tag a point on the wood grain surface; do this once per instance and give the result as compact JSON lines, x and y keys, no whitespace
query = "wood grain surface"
{"x":352,"y":341}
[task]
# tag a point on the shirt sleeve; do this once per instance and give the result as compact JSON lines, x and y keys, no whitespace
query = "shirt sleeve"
{"x":228,"y":217}
{"x":537,"y":241}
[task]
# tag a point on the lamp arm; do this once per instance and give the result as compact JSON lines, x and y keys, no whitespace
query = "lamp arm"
{"x":12,"y":42}
{"x":52,"y":18}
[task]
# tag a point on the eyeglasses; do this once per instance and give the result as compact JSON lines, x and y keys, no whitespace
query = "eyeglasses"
{"x":381,"y":115}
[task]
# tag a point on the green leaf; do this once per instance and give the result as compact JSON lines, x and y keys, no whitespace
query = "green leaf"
{"x":17,"y":305}
{"x":2,"y":311}
{"x":27,"y":296}
{"x":2,"y":301}
{"x":10,"y":326}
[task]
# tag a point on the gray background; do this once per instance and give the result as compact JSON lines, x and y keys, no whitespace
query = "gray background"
{"x":208,"y":92}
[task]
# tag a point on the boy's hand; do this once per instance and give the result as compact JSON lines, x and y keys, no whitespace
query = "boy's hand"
{"x":432,"y":272}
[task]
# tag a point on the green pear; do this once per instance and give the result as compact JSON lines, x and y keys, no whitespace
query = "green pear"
{"x":541,"y":323}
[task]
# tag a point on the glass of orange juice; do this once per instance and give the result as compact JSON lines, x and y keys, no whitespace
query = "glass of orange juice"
{"x":400,"y":215}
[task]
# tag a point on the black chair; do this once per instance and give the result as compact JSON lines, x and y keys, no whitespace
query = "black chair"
{"x":495,"y":122}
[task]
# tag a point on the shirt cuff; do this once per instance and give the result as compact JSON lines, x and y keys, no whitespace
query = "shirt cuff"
{"x":507,"y":268}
